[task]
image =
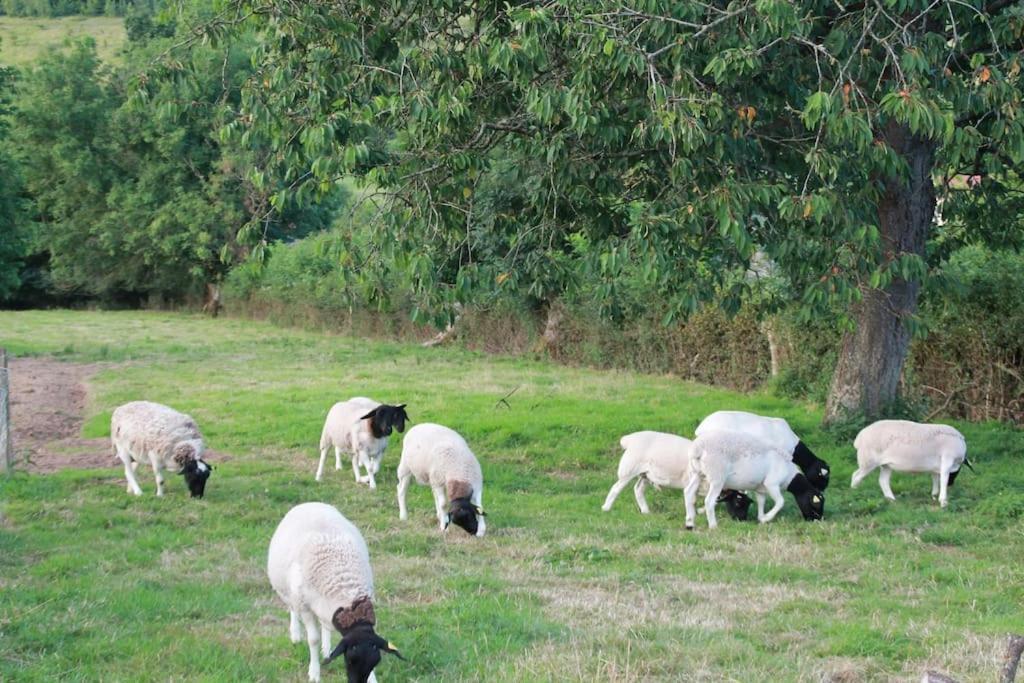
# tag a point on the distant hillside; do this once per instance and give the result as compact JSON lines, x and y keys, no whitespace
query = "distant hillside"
{"x":23,"y":38}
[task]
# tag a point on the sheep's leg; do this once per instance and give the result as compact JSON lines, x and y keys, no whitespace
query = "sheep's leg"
{"x":135,"y":466}
{"x":944,"y":469}
{"x":154,"y":460}
{"x":858,"y":476}
{"x":714,"y":488}
{"x":760,"y":504}
{"x":371,"y":469}
{"x":325,"y":640}
{"x":776,"y":496}
{"x":313,"y":640}
{"x":129,"y":472}
{"x":689,"y":498}
{"x":613,"y":493}
{"x":355,"y":468}
{"x":337,"y":457}
{"x":884,"y":474}
{"x":403,"y":486}
{"x":294,"y":627}
{"x":935,"y":484}
{"x":481,"y":524}
{"x":323,"y":460}
{"x":638,"y":493}
{"x":439,"y":501}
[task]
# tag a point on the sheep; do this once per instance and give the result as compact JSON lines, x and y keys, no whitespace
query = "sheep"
{"x":738,"y":460}
{"x":437,"y":456}
{"x":360,"y":426}
{"x":142,"y":431}
{"x":319,"y":565}
{"x":659,"y":459}
{"x":775,"y":431}
{"x":904,"y":446}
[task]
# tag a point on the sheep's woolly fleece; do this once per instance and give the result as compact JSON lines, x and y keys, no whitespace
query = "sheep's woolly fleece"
{"x":146,"y":427}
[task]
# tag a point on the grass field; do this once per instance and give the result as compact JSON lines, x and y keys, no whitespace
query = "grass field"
{"x":98,"y":585}
{"x":22,"y":39}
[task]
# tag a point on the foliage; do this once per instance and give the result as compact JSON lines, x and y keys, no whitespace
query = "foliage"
{"x":12,"y":237}
{"x":556,"y":591}
{"x":63,"y":8}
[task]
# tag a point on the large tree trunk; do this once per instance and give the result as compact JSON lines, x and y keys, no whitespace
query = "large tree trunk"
{"x":871,"y":356}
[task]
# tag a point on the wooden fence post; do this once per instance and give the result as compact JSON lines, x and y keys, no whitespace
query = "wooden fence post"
{"x":6,"y":453}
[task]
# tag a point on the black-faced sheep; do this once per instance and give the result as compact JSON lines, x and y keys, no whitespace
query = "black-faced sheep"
{"x":360,"y":427}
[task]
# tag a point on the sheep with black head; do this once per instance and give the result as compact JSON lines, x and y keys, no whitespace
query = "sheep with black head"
{"x":360,"y":427}
{"x":319,"y":565}
{"x":439,"y":457}
{"x":775,"y":431}
{"x":739,"y":461}
{"x":146,"y":432}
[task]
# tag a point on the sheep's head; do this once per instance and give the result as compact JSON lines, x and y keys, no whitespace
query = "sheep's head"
{"x":815,"y":469}
{"x":462,"y":513}
{"x":736,"y":502}
{"x":196,"y":472}
{"x":361,"y":648}
{"x":384,"y":419}
{"x":954,"y":473}
{"x":360,"y":645}
{"x":810,"y":500}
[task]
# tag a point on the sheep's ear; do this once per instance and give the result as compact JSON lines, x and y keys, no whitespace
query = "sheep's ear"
{"x":337,"y":652}
{"x":402,"y":406}
{"x":969,"y":465}
{"x":388,"y":646}
{"x":369,"y":414}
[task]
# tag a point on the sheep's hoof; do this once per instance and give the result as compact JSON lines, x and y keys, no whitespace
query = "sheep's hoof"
{"x":606,"y":508}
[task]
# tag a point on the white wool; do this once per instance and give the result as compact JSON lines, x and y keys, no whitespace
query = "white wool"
{"x":658,"y":458}
{"x":346,"y":432}
{"x":439,"y":457}
{"x":740,"y":461}
{"x":318,"y":563}
{"x":905,"y":446}
{"x":156,"y":435}
{"x":773,"y":430}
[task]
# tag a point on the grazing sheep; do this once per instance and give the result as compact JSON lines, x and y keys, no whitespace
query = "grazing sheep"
{"x":360,"y":427}
{"x":437,"y":456}
{"x":141,"y":431}
{"x":904,"y":446}
{"x":775,"y":431}
{"x":740,"y":461}
{"x":319,"y":565}
{"x":659,"y":459}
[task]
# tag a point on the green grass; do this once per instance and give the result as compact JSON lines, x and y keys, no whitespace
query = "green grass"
{"x":98,"y":585}
{"x":22,"y":39}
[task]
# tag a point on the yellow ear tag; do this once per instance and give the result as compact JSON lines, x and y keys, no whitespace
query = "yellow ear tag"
{"x":391,"y":646}
{"x":816,"y":499}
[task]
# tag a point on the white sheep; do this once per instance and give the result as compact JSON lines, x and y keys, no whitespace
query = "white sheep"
{"x":359,"y":426}
{"x":904,"y":446}
{"x":439,"y":457}
{"x":319,"y":565}
{"x":152,"y":433}
{"x":775,"y":431}
{"x":739,"y":461}
{"x":660,"y":459}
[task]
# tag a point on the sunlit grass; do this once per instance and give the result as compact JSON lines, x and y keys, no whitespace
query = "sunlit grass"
{"x":23,"y":39}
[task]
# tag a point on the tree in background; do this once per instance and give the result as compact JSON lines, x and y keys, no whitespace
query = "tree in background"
{"x":673,"y":139}
{"x":12,"y":238}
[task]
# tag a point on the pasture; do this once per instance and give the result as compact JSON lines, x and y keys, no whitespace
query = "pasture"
{"x":23,"y":39}
{"x":99,"y":585}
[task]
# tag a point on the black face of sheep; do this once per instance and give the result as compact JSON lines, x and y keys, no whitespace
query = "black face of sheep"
{"x":462,"y":513}
{"x":384,"y":419}
{"x":737,"y":503}
{"x":810,"y":500}
{"x":196,"y":472}
{"x":361,"y":647}
{"x":814,"y":468}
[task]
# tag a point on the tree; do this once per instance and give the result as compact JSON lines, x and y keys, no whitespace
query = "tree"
{"x":12,"y":238}
{"x":673,"y":138}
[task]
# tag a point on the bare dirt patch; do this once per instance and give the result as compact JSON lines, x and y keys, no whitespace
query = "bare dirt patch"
{"x":48,"y":399}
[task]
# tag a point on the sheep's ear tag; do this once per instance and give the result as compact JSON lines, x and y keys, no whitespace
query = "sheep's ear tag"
{"x":824,"y":471}
{"x":816,"y":499}
{"x":392,"y":646}
{"x":480,"y":511}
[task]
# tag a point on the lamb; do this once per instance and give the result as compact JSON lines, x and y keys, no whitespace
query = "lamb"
{"x":437,"y":456}
{"x":775,"y":431}
{"x":360,"y":426}
{"x":740,"y":461}
{"x":659,"y":459}
{"x":319,"y":565}
{"x":142,"y":431}
{"x":904,"y":446}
